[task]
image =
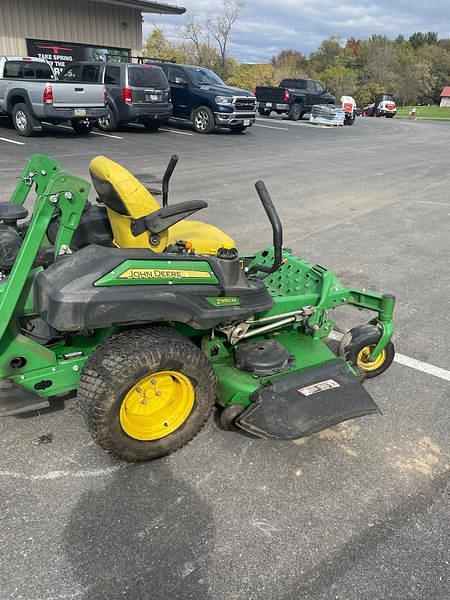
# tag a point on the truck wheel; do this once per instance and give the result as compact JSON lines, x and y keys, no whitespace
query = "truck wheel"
{"x":108,"y":122}
{"x":146,"y":392}
{"x":203,"y":120}
{"x":22,"y":120}
{"x":264,"y":112}
{"x":356,"y":346}
{"x":295,"y":112}
{"x":81,"y":127}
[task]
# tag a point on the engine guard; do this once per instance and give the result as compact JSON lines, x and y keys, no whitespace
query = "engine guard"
{"x":295,"y":406}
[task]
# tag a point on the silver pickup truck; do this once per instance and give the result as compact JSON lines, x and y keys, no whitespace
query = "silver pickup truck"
{"x":30,"y":95}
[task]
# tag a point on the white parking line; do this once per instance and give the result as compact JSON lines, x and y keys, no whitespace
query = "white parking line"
{"x":407,"y":361}
{"x":109,"y":135}
{"x":177,"y":132}
{"x":284,"y":121}
{"x":272,"y":127}
{"x":116,"y":137}
{"x":12,"y":141}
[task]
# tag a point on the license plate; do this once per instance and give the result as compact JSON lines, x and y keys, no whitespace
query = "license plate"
{"x":246,"y":122}
{"x":151,"y":97}
{"x":79,"y":112}
{"x":269,"y":104}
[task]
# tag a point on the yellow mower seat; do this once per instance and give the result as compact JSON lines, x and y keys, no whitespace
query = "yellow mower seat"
{"x":127,"y":199}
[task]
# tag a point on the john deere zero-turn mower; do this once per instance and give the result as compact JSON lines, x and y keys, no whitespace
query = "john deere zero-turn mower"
{"x":153,"y":318}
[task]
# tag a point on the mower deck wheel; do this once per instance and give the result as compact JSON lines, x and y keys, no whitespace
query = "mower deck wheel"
{"x":357,"y":345}
{"x":146,"y":392}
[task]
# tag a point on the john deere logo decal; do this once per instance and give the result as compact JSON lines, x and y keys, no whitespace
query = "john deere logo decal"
{"x":163,"y":274}
{"x":160,"y":272}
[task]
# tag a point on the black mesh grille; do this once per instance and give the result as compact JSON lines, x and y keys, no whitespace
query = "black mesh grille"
{"x":245,"y":104}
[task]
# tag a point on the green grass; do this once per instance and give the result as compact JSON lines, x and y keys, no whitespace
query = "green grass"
{"x":426,"y":112}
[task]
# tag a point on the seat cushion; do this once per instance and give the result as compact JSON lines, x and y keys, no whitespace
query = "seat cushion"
{"x":126,"y":199}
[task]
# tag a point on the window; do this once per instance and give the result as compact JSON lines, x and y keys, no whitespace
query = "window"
{"x":175,"y":72}
{"x":90,"y":73}
{"x":112,"y":76}
{"x":297,"y":84}
{"x":29,"y":70}
{"x":320,"y":88}
{"x":72,"y":73}
{"x":200,"y":76}
{"x":147,"y":76}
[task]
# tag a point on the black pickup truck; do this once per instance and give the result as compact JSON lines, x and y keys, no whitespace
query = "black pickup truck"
{"x":295,"y":97}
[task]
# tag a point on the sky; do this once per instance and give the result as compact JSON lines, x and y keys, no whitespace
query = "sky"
{"x":268,"y":26}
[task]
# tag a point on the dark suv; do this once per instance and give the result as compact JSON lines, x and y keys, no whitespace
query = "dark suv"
{"x":201,"y":97}
{"x":137,"y":93}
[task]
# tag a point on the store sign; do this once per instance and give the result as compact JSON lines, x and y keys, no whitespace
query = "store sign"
{"x":60,"y":54}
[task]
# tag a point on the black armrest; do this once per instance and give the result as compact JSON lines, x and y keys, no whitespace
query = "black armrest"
{"x":162,"y":219}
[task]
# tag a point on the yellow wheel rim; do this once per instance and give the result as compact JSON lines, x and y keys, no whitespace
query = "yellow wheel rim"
{"x":363,"y":362}
{"x":157,"y":405}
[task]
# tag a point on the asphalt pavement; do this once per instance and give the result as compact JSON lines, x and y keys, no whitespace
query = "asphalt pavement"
{"x":356,"y":512}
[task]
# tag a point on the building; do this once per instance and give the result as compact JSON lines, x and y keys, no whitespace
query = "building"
{"x":445,"y":96}
{"x":65,"y":30}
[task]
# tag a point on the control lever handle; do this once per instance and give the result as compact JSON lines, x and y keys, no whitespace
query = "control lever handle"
{"x":165,"y":182}
{"x":277,"y":229}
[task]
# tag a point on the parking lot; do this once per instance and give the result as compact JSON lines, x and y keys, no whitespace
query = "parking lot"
{"x":356,"y":512}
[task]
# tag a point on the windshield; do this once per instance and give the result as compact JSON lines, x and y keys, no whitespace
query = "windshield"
{"x":200,"y":76}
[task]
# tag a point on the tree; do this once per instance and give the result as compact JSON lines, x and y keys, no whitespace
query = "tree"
{"x":419,"y":39}
{"x":340,"y":80}
{"x":220,"y":26}
{"x":326,"y":55}
{"x":158,"y":46}
{"x":192,"y":31}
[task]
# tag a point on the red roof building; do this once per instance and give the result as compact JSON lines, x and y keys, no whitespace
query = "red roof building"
{"x":445,"y":96}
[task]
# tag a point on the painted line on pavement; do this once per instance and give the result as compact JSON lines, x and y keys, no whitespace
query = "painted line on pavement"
{"x":407,"y":361}
{"x":177,"y":132}
{"x":271,"y":127}
{"x":109,"y":135}
{"x":284,"y":121}
{"x":12,"y":141}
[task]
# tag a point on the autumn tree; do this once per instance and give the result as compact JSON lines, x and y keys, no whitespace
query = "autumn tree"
{"x":221,"y":25}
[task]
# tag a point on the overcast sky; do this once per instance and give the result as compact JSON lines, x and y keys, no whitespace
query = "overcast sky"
{"x":267,"y":26}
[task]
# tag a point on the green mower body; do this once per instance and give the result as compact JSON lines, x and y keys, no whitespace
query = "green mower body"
{"x":261,"y":322}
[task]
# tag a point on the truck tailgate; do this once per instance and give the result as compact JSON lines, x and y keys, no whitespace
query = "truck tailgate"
{"x":77,"y":95}
{"x":269,"y":94}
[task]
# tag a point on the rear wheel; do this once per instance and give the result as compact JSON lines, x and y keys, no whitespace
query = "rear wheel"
{"x":264,"y":112}
{"x":203,"y":120}
{"x":295,"y":112}
{"x":22,"y":120}
{"x":81,"y":127}
{"x":357,"y":345}
{"x":108,"y":122}
{"x":146,"y":392}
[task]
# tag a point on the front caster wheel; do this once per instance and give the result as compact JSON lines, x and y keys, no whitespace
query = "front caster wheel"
{"x":357,"y":345}
{"x":146,"y":392}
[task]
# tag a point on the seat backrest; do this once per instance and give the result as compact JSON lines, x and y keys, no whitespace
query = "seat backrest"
{"x":125,"y":199}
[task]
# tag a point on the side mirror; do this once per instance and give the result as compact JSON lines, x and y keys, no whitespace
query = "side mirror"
{"x":180,"y":81}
